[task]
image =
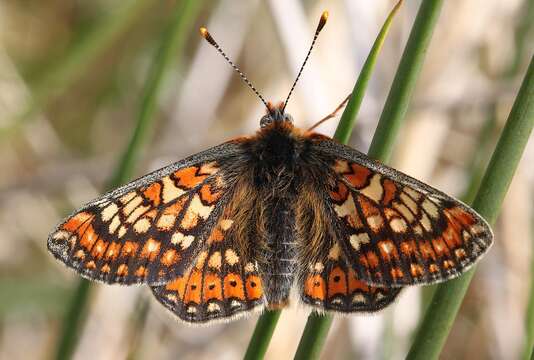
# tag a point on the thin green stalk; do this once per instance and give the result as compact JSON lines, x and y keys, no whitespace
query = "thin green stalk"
{"x":528,"y":349}
{"x":405,"y":79}
{"x":314,"y":336}
{"x":317,"y":326}
{"x":78,"y":60}
{"x":346,"y":123}
{"x":480,"y":158}
{"x":172,"y":41}
{"x":264,"y":330}
{"x":442,"y":311}
{"x":138,"y":321}
{"x":73,"y":319}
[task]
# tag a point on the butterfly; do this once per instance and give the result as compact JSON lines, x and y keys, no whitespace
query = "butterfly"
{"x":235,"y":228}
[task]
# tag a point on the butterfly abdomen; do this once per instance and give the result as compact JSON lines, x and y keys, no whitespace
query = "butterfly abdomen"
{"x":278,"y":268}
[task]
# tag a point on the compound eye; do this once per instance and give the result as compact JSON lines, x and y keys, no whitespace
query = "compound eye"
{"x":266,"y":120}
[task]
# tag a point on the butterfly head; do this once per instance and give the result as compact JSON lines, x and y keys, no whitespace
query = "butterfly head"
{"x":275,"y":114}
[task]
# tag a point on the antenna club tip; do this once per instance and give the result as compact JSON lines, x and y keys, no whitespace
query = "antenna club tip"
{"x":322,"y":21}
{"x":206,"y":35}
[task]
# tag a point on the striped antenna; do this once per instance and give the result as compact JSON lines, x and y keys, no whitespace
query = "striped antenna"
{"x":206,"y":35}
{"x":322,"y":23}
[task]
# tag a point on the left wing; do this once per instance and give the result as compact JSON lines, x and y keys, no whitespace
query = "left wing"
{"x":150,"y":230}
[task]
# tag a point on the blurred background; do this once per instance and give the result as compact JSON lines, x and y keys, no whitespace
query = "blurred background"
{"x":72,"y":75}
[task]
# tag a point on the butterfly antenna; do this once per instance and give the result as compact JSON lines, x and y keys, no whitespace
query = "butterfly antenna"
{"x":206,"y":35}
{"x":322,"y":23}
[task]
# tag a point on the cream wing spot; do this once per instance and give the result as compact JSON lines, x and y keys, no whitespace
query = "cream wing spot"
{"x":379,"y":296}
{"x":347,"y":208}
{"x":318,"y":267}
{"x":109,"y":211}
{"x":359,"y":239}
{"x":408,"y":215}
{"x":183,"y":240}
{"x":477,"y":229}
{"x":170,"y":191}
{"x":335,"y":252}
{"x":413,"y":193}
{"x":201,"y":259}
{"x":140,"y":210}
{"x":114,"y":225}
{"x":375,"y":222}
{"x":197,"y":207}
{"x":466,"y":236}
{"x":126,"y":198}
{"x":398,"y":225}
{"x":215,"y":260}
{"x":166,"y":222}
{"x":61,"y":235}
{"x":425,"y":221}
{"x":135,"y":202}
{"x":152,"y":245}
{"x":209,"y":168}
{"x":341,"y":166}
{"x":142,"y":226}
{"x":409,"y":202}
{"x":250,"y":267}
{"x":386,"y":246}
{"x":122,"y":231}
{"x":195,"y":210}
{"x":431,"y":209}
{"x":374,"y":190}
{"x":231,"y":257}
{"x":213,"y":307}
{"x":226,"y":224}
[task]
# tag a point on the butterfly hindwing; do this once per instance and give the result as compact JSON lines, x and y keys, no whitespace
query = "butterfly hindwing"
{"x":395,"y":230}
{"x":325,"y":278}
{"x":149,"y":230}
{"x":223,"y":282}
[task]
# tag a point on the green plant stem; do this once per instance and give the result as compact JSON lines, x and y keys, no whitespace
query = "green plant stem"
{"x":346,"y":123}
{"x":78,"y":59}
{"x":173,"y":40}
{"x":73,"y":319}
{"x":448,"y":297}
{"x":528,"y":349}
{"x":264,"y":330}
{"x":405,"y":79}
{"x":317,"y":326}
{"x":314,"y":336}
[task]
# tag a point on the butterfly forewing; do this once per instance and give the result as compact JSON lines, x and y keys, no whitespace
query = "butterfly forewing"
{"x":395,"y":230}
{"x":150,"y":230}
